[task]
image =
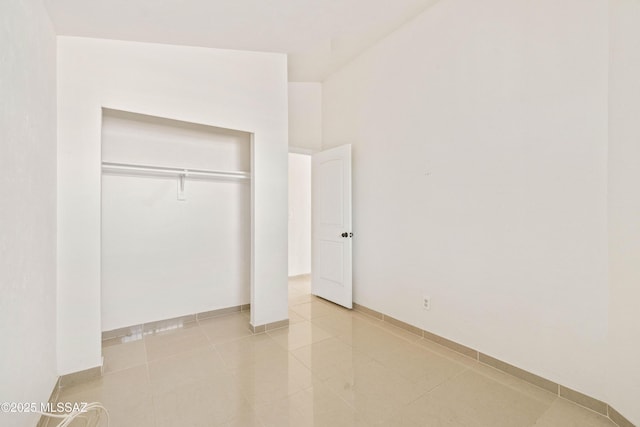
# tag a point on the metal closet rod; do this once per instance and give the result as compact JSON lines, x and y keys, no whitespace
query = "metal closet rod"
{"x":128,"y":167}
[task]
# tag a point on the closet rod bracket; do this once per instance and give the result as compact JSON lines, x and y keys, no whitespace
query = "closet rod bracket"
{"x":181,"y":180}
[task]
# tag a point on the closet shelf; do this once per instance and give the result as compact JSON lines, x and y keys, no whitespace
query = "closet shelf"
{"x":180,"y":172}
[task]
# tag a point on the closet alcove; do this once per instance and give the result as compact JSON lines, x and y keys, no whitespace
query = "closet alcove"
{"x":176,"y":218}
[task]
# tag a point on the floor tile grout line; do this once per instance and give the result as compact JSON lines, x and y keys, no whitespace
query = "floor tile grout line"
{"x":389,"y":332}
{"x":386,"y":367}
{"x":231,"y":339}
{"x":323,"y":382}
{"x":148,"y":370}
{"x":451,"y":378}
{"x":477,"y":358}
{"x":444,"y":347}
{"x":557,"y":394}
{"x":588,"y":409}
{"x":415,"y":342}
{"x":516,"y":378}
{"x":332,"y":392}
{"x":546,"y":411}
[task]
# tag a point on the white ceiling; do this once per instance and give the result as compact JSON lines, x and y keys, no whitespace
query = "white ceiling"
{"x":318,"y":35}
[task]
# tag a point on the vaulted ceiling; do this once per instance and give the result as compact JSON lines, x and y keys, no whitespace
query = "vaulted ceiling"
{"x":319,"y":36}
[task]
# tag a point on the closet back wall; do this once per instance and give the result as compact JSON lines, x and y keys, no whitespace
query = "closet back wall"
{"x":162,"y":257}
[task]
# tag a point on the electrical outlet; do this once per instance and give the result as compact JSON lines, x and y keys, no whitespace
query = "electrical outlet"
{"x":426,"y":303}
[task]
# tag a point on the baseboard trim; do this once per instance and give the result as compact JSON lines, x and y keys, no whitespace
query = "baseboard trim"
{"x":576,"y":397}
{"x":583,"y":400}
{"x":86,"y":375}
{"x":370,"y":312}
{"x":53,"y":398}
{"x":617,"y":418}
{"x":269,"y":326}
{"x":518,"y":373}
{"x":79,"y":377}
{"x":151,"y":327}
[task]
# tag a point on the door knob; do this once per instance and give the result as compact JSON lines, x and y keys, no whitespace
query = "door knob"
{"x":345,"y":235}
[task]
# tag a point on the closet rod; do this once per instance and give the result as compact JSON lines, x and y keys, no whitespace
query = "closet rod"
{"x":127,"y":167}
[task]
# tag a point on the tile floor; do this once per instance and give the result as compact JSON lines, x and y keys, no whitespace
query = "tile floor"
{"x":331,"y":367}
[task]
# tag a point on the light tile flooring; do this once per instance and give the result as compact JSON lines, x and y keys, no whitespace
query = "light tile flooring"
{"x":331,"y":367}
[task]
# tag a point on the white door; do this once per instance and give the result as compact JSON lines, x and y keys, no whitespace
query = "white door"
{"x":331,"y":232}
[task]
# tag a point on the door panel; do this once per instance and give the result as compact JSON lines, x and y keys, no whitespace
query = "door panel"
{"x":331,"y":225}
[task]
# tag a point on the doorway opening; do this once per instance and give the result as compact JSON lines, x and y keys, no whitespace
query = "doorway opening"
{"x":299,"y":269}
{"x":320,"y":233}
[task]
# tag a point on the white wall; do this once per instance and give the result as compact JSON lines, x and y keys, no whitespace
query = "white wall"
{"x":163,"y":257}
{"x":479,"y":135}
{"x":624,"y":209}
{"x":27,"y":206}
{"x":299,"y":214}
{"x":305,"y":117}
{"x":236,"y":90}
{"x":305,"y":136}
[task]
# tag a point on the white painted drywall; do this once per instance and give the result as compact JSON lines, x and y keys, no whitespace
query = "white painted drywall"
{"x":27,"y":207}
{"x":245,"y":91}
{"x":305,"y":117}
{"x":305,"y":136}
{"x":624,"y":209}
{"x":479,"y":135}
{"x":299,"y":214}
{"x":163,"y":257}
